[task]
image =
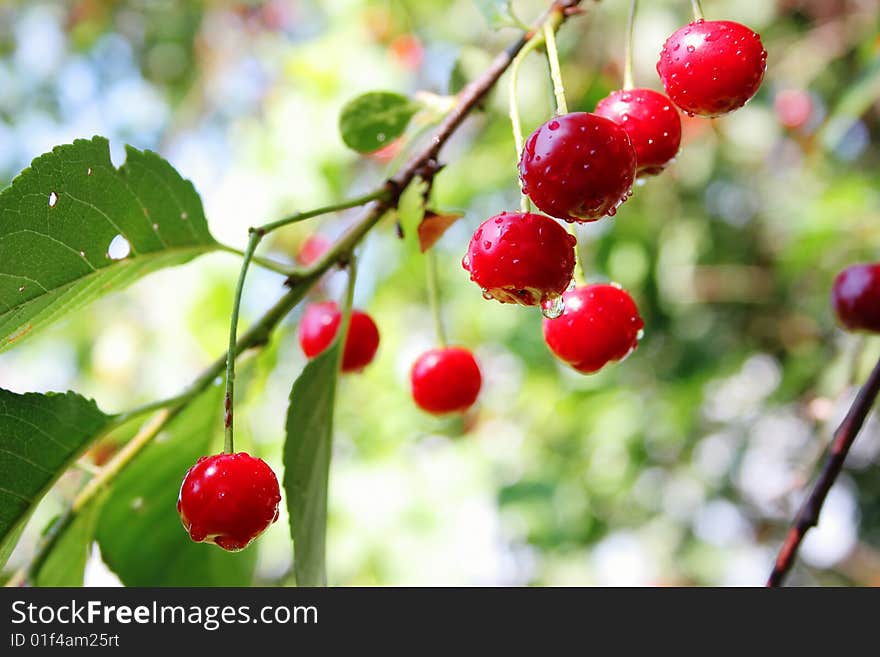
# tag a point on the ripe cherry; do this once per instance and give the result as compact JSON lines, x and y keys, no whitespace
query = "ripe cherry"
{"x":228,"y":500}
{"x":320,"y":324}
{"x":578,"y":167}
{"x":856,"y":297}
{"x":711,"y":68}
{"x":445,"y":380}
{"x":600,"y":323}
{"x":652,"y":123}
{"x":520,"y":257}
{"x":314,"y":246}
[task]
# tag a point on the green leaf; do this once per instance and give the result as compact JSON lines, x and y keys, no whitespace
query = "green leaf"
{"x":498,"y":13}
{"x":411,"y":211}
{"x":375,"y":119}
{"x":307,"y":463}
{"x":59,"y":218}
{"x":139,"y":532}
{"x":65,"y":563}
{"x":40,"y":436}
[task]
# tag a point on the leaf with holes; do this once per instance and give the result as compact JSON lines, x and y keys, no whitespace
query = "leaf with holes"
{"x":73,"y":228}
{"x":373,"y":120}
{"x":40,"y":436}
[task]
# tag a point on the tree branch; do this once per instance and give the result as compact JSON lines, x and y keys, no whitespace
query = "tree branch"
{"x":385,"y":198}
{"x":808,"y":515}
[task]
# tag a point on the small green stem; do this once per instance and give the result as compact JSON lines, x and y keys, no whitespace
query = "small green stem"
{"x":376,"y":194}
{"x":580,"y":276}
{"x":698,"y":10}
{"x":434,"y":296}
{"x":265,"y":263}
{"x":549,"y":28}
{"x":628,"y":54}
{"x":513,"y":104}
{"x":255,"y":236}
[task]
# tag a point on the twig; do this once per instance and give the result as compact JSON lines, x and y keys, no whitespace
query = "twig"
{"x":808,"y":515}
{"x":383,"y":199}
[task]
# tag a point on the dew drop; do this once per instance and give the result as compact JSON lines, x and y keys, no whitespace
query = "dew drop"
{"x":184,"y":215}
{"x":640,"y":335}
{"x":119,"y":248}
{"x":89,"y":171}
{"x":487,"y":295}
{"x":380,"y":137}
{"x":21,"y":289}
{"x":53,"y":199}
{"x":156,"y":227}
{"x":552,"y":306}
{"x":691,"y":49}
{"x":553,"y":125}
{"x":487,"y":244}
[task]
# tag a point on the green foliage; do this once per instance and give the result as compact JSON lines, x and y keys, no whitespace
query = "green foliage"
{"x":498,"y":13}
{"x":375,"y":119}
{"x":40,"y":436}
{"x":73,"y":228}
{"x":139,"y":532}
{"x":66,"y":562}
{"x":307,"y":453}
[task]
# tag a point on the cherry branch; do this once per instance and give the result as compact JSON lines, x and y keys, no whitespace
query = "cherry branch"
{"x":376,"y":204}
{"x":808,"y":515}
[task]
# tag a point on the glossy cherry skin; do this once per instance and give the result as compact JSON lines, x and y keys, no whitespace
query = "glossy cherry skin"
{"x":320,"y":324}
{"x":711,"y":68}
{"x":856,"y":297}
{"x":445,"y":380}
{"x":578,"y":167}
{"x":520,"y":257}
{"x":228,"y":500}
{"x":652,"y":123}
{"x":600,"y":324}
{"x":314,"y":246}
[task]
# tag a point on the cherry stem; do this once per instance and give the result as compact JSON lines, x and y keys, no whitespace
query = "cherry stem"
{"x":525,"y":203}
{"x":628,"y":52}
{"x":549,"y":28}
{"x":255,"y":236}
{"x":698,"y":10}
{"x":345,"y":322}
{"x":434,"y":296}
{"x":580,"y":275}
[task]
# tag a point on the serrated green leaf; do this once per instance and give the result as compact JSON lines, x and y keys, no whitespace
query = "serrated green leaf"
{"x":66,"y":562}
{"x":307,"y":453}
{"x":498,"y":13}
{"x":40,"y":436}
{"x":375,"y":119}
{"x":60,"y":216}
{"x":139,"y":531}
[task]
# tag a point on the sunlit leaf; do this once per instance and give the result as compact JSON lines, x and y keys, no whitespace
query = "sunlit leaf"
{"x":73,"y":228}
{"x":375,"y":119}
{"x":40,"y":436}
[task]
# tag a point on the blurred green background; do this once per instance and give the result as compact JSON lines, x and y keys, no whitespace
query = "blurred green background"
{"x":680,"y":466}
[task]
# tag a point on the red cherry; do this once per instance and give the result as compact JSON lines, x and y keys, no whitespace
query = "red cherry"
{"x":445,"y":380}
{"x":578,"y":167}
{"x":652,"y":123}
{"x":520,"y":257}
{"x":793,"y":108}
{"x":228,"y":500}
{"x":600,"y":323}
{"x":314,"y":246}
{"x":711,"y":68}
{"x":856,"y":297}
{"x":318,"y":329}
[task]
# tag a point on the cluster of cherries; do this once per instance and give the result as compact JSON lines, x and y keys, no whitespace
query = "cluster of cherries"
{"x":577,"y":167}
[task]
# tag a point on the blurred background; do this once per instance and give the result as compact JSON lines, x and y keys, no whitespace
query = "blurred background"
{"x":680,"y":466}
